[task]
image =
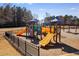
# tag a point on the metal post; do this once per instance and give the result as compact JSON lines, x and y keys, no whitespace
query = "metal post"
{"x":33,"y":29}
{"x":50,"y":28}
{"x":41,"y":32}
{"x":38,"y":51}
{"x":26,"y":31}
{"x":25,"y":49}
{"x":60,"y":34}
{"x":18,"y":42}
{"x":56,"y":33}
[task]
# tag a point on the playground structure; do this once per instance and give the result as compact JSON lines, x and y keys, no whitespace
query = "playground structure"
{"x":27,"y":46}
{"x":43,"y":41}
{"x":51,"y":33}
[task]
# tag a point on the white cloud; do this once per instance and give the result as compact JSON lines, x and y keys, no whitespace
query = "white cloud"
{"x":72,"y":8}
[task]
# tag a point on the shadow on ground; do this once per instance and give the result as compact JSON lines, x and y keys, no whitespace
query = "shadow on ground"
{"x":72,"y":33}
{"x":63,"y":47}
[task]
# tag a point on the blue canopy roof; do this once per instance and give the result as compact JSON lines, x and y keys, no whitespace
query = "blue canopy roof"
{"x":57,"y":20}
{"x":34,"y":20}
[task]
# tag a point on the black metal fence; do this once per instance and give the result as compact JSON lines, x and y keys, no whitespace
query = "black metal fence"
{"x":25,"y":47}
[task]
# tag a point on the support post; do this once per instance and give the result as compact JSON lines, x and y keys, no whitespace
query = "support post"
{"x":60,"y":34}
{"x":56,"y":33}
{"x":38,"y":51}
{"x":25,"y":49}
{"x":18,"y":42}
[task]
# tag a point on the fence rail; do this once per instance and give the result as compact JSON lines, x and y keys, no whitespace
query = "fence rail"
{"x":26,"y":48}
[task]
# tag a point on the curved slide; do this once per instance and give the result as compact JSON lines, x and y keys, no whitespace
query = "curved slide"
{"x":46,"y":39}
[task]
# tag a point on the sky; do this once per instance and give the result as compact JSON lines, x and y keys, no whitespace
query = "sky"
{"x":56,"y":9}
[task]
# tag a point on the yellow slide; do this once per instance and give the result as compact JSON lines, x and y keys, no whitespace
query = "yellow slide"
{"x":46,"y":39}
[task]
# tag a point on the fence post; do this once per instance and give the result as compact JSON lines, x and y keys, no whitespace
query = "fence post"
{"x":13,"y":39}
{"x":25,"y":48}
{"x":18,"y":42}
{"x":38,"y":51}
